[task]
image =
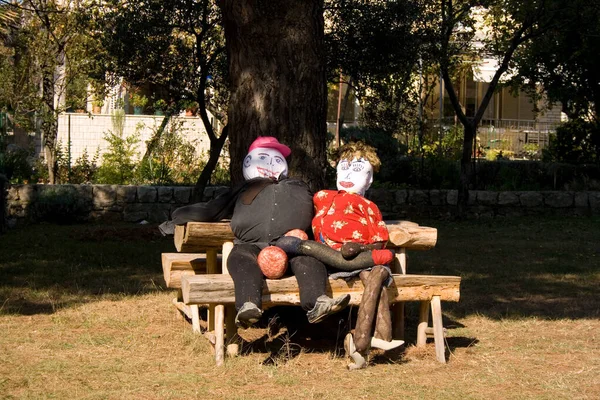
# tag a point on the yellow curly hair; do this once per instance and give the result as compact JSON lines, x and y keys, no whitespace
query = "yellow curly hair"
{"x":359,"y":149}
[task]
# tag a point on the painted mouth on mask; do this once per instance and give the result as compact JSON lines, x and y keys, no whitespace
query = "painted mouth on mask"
{"x":345,"y":184}
{"x":267,"y":173}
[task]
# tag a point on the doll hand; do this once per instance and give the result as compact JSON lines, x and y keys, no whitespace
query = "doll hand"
{"x":382,"y":257}
{"x":272,"y":262}
{"x":299,"y":233}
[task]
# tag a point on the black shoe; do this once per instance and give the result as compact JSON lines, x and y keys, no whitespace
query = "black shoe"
{"x":326,"y":306}
{"x":248,"y":315}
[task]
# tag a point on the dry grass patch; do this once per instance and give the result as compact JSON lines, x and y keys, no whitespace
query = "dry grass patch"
{"x":90,"y":319}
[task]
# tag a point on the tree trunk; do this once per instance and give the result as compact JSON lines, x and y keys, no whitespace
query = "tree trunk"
{"x":278,"y":82}
{"x":155,"y":139}
{"x":466,"y":169}
{"x":216,"y":145}
{"x":49,"y":126}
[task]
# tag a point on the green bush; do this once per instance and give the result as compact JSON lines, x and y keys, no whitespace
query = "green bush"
{"x":119,"y":162}
{"x":85,"y":169}
{"x":14,"y":164}
{"x":575,"y":142}
{"x":173,"y":160}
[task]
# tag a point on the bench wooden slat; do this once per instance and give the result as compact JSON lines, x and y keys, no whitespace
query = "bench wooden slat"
{"x":218,"y":289}
{"x":176,"y":265}
{"x":196,"y":237}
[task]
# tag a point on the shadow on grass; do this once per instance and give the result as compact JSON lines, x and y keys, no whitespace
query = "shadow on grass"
{"x":511,"y":268}
{"x":284,"y":333}
{"x":47,"y":267}
{"x":519,"y":268}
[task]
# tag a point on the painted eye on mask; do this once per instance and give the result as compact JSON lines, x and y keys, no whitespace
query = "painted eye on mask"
{"x":344,"y":165}
{"x":358,"y":166}
{"x":279,"y":160}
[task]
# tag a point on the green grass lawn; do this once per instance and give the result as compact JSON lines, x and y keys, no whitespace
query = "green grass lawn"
{"x":84,"y":314}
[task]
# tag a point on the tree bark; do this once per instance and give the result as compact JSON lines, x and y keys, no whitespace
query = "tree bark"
{"x":49,"y":126}
{"x":216,"y":145}
{"x":278,"y":81}
{"x":155,"y":139}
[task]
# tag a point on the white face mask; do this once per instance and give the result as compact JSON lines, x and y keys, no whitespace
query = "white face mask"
{"x":264,"y":163}
{"x":354,"y":176}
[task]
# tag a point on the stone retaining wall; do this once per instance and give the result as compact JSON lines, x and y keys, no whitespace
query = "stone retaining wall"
{"x":156,"y":203}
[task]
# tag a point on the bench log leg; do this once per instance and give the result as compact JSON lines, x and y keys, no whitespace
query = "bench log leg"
{"x":423,"y":323}
{"x":438,"y":329}
{"x":219,"y":315}
{"x":398,"y":267}
{"x":212,"y":267}
{"x":230,"y":330}
{"x":230,"y":311}
{"x":195,"y":311}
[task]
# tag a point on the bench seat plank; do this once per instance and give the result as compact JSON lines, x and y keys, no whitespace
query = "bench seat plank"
{"x":218,"y":289}
{"x":196,"y":237}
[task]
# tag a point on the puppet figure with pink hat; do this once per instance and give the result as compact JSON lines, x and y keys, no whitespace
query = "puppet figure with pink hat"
{"x":265,"y":207}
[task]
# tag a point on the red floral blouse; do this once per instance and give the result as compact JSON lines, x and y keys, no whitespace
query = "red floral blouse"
{"x":342,"y":217}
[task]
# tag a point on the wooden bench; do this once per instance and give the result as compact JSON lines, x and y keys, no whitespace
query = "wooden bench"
{"x":201,"y":243}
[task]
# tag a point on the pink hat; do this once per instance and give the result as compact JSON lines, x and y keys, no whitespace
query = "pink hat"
{"x":269,"y":142}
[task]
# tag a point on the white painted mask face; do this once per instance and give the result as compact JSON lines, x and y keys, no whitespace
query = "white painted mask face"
{"x":354,"y":176}
{"x":264,"y":163}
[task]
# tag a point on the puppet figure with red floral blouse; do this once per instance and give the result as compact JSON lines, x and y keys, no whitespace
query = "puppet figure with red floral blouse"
{"x":346,"y":221}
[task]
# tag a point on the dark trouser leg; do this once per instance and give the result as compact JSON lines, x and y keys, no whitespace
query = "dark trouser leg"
{"x":373,"y":282}
{"x":246,"y":274}
{"x":312,"y":279}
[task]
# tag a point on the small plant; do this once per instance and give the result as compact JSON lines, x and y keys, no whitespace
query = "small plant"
{"x":160,"y":105}
{"x":84,"y":170}
{"x":138,"y":100}
{"x":531,"y":151}
{"x":119,"y":162}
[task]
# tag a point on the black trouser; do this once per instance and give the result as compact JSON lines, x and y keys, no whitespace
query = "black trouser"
{"x":248,"y":278}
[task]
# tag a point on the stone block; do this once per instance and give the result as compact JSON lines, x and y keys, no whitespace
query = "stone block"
{"x":581,"y":200}
{"x":219,"y":190}
{"x":104,"y":196}
{"x":417,"y":197}
{"x":472,"y":201}
{"x":28,"y":193}
{"x":452,"y":197}
{"x":165,"y":194}
{"x":383,"y":198}
{"x":437,"y":197}
{"x":12,"y":194}
{"x":209,"y":193}
{"x":531,"y":199}
{"x":487,"y":198}
{"x":401,"y":196}
{"x":558,"y":199}
{"x":508,"y":199}
{"x":126,"y":193}
{"x":182,"y":195}
{"x":147,"y":194}
{"x":594,"y":198}
{"x":158,"y":212}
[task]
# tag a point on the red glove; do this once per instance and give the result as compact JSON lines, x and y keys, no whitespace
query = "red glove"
{"x":382,"y":257}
